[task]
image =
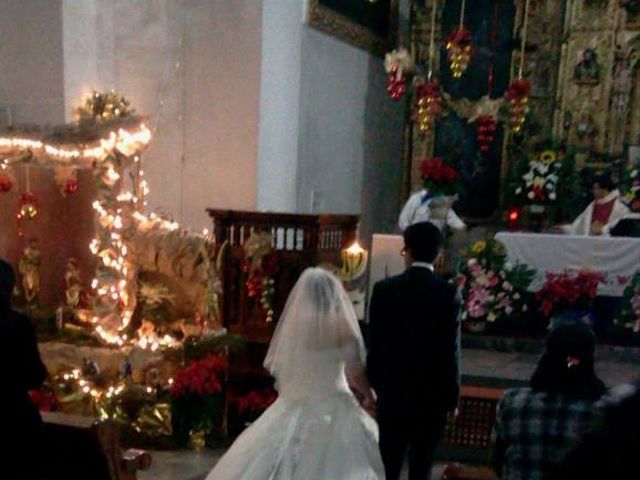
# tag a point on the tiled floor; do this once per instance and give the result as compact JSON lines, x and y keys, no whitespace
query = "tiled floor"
{"x":185,"y":465}
{"x":180,"y":465}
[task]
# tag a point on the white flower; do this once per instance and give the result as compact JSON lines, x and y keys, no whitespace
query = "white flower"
{"x":491,"y":317}
{"x":508,"y":267}
{"x":507,"y":286}
{"x":516,"y":296}
{"x":472,"y":262}
{"x":634,"y":173}
{"x":530,"y":195}
{"x":524,"y":308}
{"x":552,"y":196}
{"x":518,"y":190}
{"x":464,"y":315}
{"x":508,"y":310}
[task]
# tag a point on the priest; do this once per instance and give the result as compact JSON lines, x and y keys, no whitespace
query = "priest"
{"x":606,"y":210}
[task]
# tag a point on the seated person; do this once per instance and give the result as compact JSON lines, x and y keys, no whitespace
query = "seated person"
{"x":424,"y":207}
{"x":611,"y":449}
{"x":23,"y":371}
{"x":603,"y":213}
{"x":535,"y":426}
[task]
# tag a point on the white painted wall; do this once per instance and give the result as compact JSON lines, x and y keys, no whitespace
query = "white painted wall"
{"x":192,"y":66}
{"x":280,"y":105}
{"x":31,"y":67}
{"x":350,"y":135}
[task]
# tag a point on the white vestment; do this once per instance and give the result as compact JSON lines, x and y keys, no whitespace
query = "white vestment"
{"x":419,"y":208}
{"x":582,"y":224}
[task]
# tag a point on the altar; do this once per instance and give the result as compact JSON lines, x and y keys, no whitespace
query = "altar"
{"x":617,"y":258}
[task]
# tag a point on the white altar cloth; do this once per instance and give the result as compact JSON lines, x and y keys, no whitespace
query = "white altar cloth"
{"x":616,"y":257}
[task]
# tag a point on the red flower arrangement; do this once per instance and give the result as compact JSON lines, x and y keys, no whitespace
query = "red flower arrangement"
{"x":438,"y":176}
{"x":197,"y":400}
{"x":256,"y":401}
{"x":44,"y":401}
{"x":200,"y":378}
{"x":566,"y":291}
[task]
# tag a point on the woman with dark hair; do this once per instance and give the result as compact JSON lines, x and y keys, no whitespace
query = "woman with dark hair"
{"x":535,"y":426}
{"x":20,"y":422}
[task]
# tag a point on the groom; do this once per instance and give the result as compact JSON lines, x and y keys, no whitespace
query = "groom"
{"x":413,"y":355}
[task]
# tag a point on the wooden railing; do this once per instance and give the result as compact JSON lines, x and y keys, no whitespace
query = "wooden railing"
{"x":298,"y":241}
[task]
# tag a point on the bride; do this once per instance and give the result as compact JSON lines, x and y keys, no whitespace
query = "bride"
{"x":316,"y":430}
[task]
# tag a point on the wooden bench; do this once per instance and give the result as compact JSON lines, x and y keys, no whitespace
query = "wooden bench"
{"x":468,"y":438}
{"x":88,"y":449}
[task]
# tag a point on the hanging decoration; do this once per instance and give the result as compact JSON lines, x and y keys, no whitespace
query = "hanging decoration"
{"x":67,"y":180}
{"x":398,"y":65}
{"x":28,"y":206}
{"x":459,"y":47}
{"x":486,"y":126}
{"x":518,"y":97}
{"x":519,"y":90}
{"x":6,"y":180}
{"x":428,"y":106}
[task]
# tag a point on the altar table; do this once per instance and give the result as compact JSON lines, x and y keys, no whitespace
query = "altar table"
{"x":618,"y":258}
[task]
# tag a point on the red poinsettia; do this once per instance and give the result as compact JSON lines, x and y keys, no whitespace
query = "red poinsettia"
{"x":200,"y":377}
{"x":438,"y":176}
{"x":566,"y":291}
{"x":44,"y":401}
{"x":256,"y":401}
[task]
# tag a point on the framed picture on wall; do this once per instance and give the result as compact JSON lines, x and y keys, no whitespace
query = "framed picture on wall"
{"x":366,"y":24}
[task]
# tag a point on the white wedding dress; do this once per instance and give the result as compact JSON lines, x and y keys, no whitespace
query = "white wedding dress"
{"x":316,"y":430}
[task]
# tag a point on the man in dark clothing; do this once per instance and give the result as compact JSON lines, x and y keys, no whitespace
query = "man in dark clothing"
{"x":413,"y":355}
{"x":23,"y":371}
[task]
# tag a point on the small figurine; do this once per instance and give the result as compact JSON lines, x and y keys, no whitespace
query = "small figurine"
{"x":127,"y":370}
{"x":587,"y":71}
{"x":73,"y":286}
{"x":29,"y":268}
{"x":90,"y":368}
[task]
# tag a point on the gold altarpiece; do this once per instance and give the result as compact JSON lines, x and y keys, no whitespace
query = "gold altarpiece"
{"x":599,"y":117}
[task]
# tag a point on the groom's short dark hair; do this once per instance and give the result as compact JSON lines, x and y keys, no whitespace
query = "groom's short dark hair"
{"x":424,"y":241}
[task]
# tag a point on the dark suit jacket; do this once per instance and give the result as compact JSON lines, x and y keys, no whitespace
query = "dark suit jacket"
{"x":414,"y":342}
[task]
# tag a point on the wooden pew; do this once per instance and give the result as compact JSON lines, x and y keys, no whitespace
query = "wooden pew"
{"x":468,"y":437}
{"x":88,"y":449}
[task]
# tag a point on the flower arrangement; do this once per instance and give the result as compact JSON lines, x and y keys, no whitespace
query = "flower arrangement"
{"x":439,"y":178}
{"x":630,"y":313}
{"x":197,"y":401}
{"x":491,"y":287}
{"x":568,"y":291}
{"x":540,"y":183}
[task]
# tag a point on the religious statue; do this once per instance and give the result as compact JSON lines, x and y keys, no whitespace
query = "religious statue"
{"x":29,"y":268}
{"x":587,"y":71}
{"x":72,"y":282}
